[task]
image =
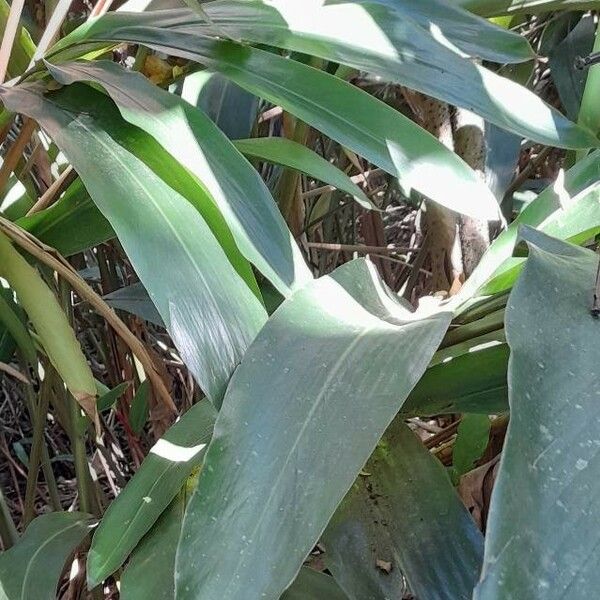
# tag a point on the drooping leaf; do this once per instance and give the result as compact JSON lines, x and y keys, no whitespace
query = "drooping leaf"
{"x":191,"y":137}
{"x":340,"y":110}
{"x":550,"y":463}
{"x":31,"y":569}
{"x":211,"y":314}
{"x":288,"y":153}
{"x":71,"y":225}
{"x":302,"y":413}
{"x":51,"y":324}
{"x":474,"y":381}
{"x":312,"y":585}
{"x":131,"y":515}
{"x":403,"y":518}
{"x":369,"y":36}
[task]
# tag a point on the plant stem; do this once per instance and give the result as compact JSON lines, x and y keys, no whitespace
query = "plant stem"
{"x":8,"y":531}
{"x":38,"y":413}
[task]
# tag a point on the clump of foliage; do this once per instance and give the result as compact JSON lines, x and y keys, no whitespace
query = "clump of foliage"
{"x":207,"y":392}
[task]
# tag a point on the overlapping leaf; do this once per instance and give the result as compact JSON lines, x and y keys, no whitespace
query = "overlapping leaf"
{"x":296,"y":156}
{"x":31,"y":569}
{"x":191,"y":137}
{"x":131,"y":515}
{"x":302,"y":413}
{"x":405,"y":514}
{"x":342,"y":111}
{"x":211,"y":314}
{"x":542,"y":534}
{"x":371,"y":36}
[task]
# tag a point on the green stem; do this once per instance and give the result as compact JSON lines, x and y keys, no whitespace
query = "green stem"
{"x":8,"y":531}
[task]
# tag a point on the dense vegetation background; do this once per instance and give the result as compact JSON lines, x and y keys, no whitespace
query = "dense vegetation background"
{"x":299,"y":299}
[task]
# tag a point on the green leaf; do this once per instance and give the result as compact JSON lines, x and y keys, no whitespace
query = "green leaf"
{"x":290,"y":154}
{"x":566,"y":209}
{"x":570,"y":82}
{"x":134,"y":299}
{"x":312,"y":585}
{"x":302,"y":414}
{"x":372,"y":37}
{"x":108,"y":399}
{"x":211,"y":314}
{"x":190,"y":137}
{"x":343,"y":112}
{"x":156,"y":483}
{"x":31,"y":569}
{"x":550,"y":463}
{"x":490,"y":8}
{"x":232,"y":109}
{"x":471,"y":441}
{"x":71,"y":225}
{"x":474,"y":381}
{"x":138,"y":412}
{"x":149,"y":573}
{"x":404,"y":512}
{"x":15,"y":325}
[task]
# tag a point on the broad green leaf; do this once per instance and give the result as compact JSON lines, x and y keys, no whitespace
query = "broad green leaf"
{"x":380,"y":37}
{"x":337,"y":21}
{"x":312,"y":585}
{"x":211,"y":314}
{"x":302,"y":414}
{"x":156,"y":483}
{"x":149,"y":573}
{"x":403,"y":511}
{"x":490,"y":8}
{"x":343,"y":112}
{"x":135,"y":300}
{"x":472,"y":438}
{"x":71,"y":225}
{"x":290,"y":154}
{"x":370,"y":37}
{"x":542,"y":535}
{"x":31,"y":569}
{"x":474,"y":381}
{"x":568,"y":207}
{"x":232,"y":183}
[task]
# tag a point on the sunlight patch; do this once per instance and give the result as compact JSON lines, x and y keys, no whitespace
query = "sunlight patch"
{"x":175,"y":453}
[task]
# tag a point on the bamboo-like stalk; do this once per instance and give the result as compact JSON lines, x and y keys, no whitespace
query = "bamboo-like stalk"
{"x":38,"y":413}
{"x":12,"y":25}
